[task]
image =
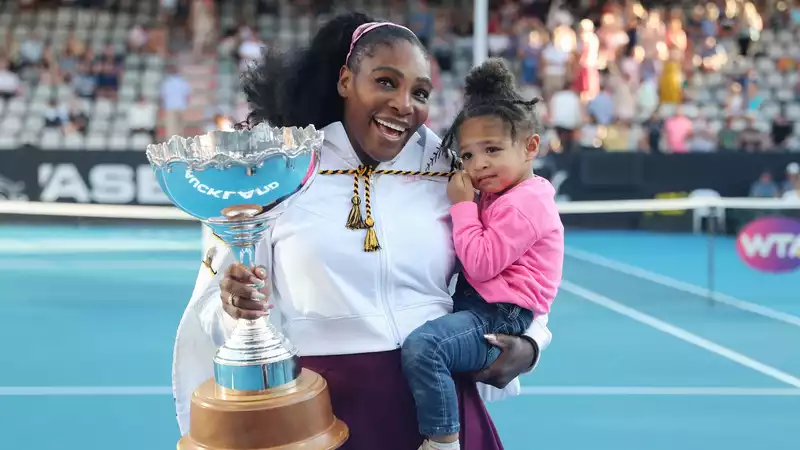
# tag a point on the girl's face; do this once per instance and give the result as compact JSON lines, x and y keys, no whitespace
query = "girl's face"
{"x":493,"y":160}
{"x":386,"y":99}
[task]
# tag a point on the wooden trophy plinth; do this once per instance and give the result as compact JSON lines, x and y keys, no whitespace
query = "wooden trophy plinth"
{"x":291,"y":417}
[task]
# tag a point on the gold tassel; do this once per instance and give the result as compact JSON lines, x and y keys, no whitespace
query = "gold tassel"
{"x":371,"y":241}
{"x":354,"y":220}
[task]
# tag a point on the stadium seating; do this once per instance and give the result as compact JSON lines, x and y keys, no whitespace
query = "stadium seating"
{"x":21,"y":121}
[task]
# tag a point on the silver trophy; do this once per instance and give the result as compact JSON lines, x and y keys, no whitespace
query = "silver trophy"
{"x":237,"y":182}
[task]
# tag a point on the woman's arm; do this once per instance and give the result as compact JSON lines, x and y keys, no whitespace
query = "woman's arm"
{"x":518,"y":354}
{"x":205,"y":301}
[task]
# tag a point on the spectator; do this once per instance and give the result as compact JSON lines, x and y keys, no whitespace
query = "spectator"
{"x":728,"y":138}
{"x":780,"y":131}
{"x":676,"y":38}
{"x":175,"y":92}
{"x":765,"y":187}
{"x":422,"y":21}
{"x":74,"y":46}
{"x":750,"y":25}
{"x":631,"y":66}
{"x":751,"y":139}
{"x":709,"y":26}
{"x":10,"y":84}
{"x":701,"y":140}
{"x":652,"y":131}
{"x":137,"y":39}
{"x":84,"y":82}
{"x":755,"y":98}
{"x":590,"y":136}
{"x":792,"y":177}
{"x":670,"y":87}
{"x":712,"y":56}
{"x":677,"y":129}
{"x":249,"y":51}
{"x":565,"y":116}
{"x":624,"y":99}
{"x":78,"y":119}
{"x":601,"y":108}
{"x":202,"y":20}
{"x":587,"y":79}
{"x":31,"y":50}
{"x":530,"y":52}
{"x":107,"y":75}
{"x":555,"y":60}
{"x":793,"y":194}
{"x":647,"y":100}
{"x":734,"y":100}
{"x":621,"y":137}
{"x":56,"y":115}
{"x":68,"y":63}
{"x":142,"y":117}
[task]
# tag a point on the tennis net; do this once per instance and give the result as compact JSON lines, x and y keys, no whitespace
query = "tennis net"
{"x":743,"y":251}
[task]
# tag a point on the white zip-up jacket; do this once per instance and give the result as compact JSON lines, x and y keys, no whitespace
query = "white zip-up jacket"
{"x":330,"y":296}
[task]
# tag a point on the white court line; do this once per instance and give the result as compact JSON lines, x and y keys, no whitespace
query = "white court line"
{"x":98,"y":266}
{"x":50,"y":246}
{"x":664,"y":280}
{"x":680,"y":333}
{"x":109,"y":391}
{"x":655,"y":390}
{"x":39,"y":391}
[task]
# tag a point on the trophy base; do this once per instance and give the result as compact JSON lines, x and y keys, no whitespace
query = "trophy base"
{"x":291,"y":417}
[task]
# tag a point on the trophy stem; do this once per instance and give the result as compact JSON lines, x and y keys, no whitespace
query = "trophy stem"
{"x":246,"y":253}
{"x":256,"y":356}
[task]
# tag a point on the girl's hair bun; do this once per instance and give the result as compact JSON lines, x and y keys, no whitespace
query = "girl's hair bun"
{"x":490,"y":79}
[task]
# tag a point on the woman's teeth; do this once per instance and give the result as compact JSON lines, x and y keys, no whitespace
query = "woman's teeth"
{"x":391,"y":126}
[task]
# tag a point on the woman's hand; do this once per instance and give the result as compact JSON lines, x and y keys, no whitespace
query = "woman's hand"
{"x":244,"y":293}
{"x":517,"y":355}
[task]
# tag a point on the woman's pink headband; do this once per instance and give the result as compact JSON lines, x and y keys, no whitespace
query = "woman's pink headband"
{"x":366,"y":28}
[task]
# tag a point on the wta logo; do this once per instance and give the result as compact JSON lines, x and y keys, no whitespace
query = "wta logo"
{"x":770,"y":244}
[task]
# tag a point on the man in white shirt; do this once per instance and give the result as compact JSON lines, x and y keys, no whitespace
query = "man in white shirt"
{"x":9,"y":81}
{"x":554,"y":60}
{"x":142,"y":116}
{"x":175,"y":91}
{"x":566,"y":113}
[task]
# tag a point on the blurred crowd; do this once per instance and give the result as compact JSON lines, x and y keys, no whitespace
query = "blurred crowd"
{"x":768,"y":187}
{"x":617,"y":75}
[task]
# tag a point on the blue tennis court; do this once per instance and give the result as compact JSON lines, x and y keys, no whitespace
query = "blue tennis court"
{"x":641,"y":359}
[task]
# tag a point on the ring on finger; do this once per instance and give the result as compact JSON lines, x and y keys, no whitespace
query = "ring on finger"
{"x":232,"y":299}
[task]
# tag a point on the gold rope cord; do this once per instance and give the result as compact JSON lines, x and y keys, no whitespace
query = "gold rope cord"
{"x":354,"y":219}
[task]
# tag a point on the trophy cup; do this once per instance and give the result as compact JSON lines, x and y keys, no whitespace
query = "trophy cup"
{"x":237,"y":182}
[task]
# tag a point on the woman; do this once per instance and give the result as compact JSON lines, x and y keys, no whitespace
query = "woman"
{"x":348,"y":310}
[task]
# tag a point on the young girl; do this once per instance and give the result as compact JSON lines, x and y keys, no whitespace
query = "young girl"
{"x":510,"y":245}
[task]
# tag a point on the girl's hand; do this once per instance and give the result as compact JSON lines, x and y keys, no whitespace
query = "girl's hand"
{"x":460,"y":188}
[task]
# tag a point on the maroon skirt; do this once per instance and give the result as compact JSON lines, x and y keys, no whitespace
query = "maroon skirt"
{"x":370,"y":394}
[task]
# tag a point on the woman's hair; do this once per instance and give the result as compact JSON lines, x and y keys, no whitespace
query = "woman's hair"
{"x":300,"y":88}
{"x":490,"y":91}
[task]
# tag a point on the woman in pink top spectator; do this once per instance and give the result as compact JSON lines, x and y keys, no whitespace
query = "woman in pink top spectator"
{"x":510,"y":245}
{"x":677,"y":129}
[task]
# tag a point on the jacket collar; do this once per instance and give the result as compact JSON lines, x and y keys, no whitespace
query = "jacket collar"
{"x":409,"y":158}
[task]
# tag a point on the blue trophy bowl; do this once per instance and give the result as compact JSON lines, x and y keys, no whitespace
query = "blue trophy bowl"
{"x":237,"y":182}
